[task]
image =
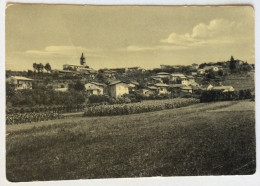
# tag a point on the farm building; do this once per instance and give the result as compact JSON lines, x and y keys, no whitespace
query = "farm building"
{"x":117,"y":88}
{"x":94,"y":88}
{"x":19,"y":82}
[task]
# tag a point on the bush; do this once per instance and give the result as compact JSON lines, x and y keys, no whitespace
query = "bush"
{"x":218,"y":95}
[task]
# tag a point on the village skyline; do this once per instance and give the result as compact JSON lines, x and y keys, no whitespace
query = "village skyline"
{"x":108,"y":41}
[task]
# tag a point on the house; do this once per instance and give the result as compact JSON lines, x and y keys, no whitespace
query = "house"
{"x":19,"y":82}
{"x":201,"y":71}
{"x":167,"y":67}
{"x":134,"y":69}
{"x":156,"y":79}
{"x":176,"y":76}
{"x":215,"y":68}
{"x":118,"y":70}
{"x":186,"y":89}
{"x":117,"y":88}
{"x":153,"y":89}
{"x":224,"y":88}
{"x":72,"y":67}
{"x":109,"y":73}
{"x":194,"y":66}
{"x":191,"y":79}
{"x":94,"y":88}
{"x":162,"y":88}
{"x":185,"y":81}
{"x":163,"y":74}
{"x":88,"y":72}
{"x":221,"y":88}
{"x":133,"y":86}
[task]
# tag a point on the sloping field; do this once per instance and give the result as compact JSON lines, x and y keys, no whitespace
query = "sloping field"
{"x":179,"y":142}
{"x":240,"y":81}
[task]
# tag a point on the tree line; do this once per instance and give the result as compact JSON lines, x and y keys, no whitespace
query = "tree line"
{"x":39,"y":67}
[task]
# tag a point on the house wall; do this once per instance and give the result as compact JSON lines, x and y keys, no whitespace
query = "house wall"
{"x":94,"y":89}
{"x":118,"y":90}
{"x":23,"y":85}
{"x":162,"y":90}
{"x":20,"y":84}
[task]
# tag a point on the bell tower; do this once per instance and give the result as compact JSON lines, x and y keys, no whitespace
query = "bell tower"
{"x":82,"y":60}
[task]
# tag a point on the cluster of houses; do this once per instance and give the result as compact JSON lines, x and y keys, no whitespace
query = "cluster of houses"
{"x":161,"y":83}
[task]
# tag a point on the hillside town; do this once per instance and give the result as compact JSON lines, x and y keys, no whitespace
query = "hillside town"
{"x":177,"y":80}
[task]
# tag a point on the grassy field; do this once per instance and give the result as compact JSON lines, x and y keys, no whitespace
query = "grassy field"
{"x":241,"y":81}
{"x":202,"y":139}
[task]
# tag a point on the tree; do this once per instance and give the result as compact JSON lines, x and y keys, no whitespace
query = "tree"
{"x":220,"y":73}
{"x":165,"y":80}
{"x":47,"y":67}
{"x":41,"y":66}
{"x":78,"y":86}
{"x":232,"y":65}
{"x":35,"y":66}
{"x":29,"y":73}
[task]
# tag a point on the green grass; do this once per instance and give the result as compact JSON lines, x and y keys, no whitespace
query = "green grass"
{"x":196,"y":140}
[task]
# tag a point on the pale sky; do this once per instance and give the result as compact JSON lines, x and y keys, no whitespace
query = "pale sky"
{"x":125,"y":36}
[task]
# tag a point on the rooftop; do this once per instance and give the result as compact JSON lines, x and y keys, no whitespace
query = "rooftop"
{"x":22,"y":78}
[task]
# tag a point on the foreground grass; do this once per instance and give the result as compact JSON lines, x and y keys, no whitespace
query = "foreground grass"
{"x":198,"y":140}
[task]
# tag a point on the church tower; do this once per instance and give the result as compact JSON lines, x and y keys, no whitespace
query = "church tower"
{"x":82,"y":60}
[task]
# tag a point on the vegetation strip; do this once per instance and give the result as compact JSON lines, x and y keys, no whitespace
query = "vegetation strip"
{"x":134,"y":108}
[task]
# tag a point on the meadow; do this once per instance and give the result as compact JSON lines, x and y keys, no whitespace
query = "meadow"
{"x":202,"y":139}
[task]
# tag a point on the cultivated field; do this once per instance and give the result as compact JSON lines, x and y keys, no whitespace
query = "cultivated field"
{"x":241,"y":81}
{"x":201,"y":139}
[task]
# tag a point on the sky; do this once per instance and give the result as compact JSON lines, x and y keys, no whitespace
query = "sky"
{"x":127,"y":36}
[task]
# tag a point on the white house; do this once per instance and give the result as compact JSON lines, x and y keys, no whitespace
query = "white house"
{"x":224,"y":88}
{"x":19,"y":82}
{"x":118,"y":88}
{"x":94,"y":88}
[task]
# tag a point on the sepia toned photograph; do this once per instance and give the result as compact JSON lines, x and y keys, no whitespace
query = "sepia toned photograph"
{"x":95,"y":91}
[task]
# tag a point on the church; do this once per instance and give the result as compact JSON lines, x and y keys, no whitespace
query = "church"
{"x":75,"y":67}
{"x":80,"y":68}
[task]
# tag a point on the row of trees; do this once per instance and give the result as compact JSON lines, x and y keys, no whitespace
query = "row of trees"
{"x":39,"y":67}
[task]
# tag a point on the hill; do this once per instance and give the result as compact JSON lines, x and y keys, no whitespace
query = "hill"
{"x":241,"y":80}
{"x":201,"y":139}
